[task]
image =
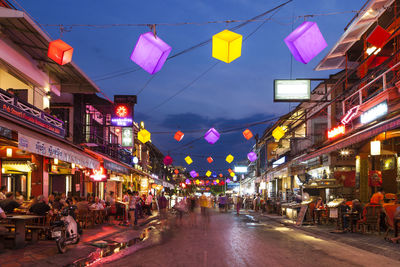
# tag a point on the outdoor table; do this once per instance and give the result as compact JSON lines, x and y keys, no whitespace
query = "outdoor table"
{"x":396,"y":221}
{"x":20,"y":222}
{"x":318,"y":212}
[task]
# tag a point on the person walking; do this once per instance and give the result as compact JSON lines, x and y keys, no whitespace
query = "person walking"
{"x":149,"y":201}
{"x":132,"y":208}
{"x":162,"y":205}
{"x":238,"y":204}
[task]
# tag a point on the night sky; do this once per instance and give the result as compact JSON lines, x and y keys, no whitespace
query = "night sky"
{"x":228,"y":96}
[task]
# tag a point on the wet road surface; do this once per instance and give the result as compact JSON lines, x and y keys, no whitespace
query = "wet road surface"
{"x":232,"y":240}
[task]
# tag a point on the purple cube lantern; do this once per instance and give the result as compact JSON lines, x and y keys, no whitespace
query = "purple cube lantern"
{"x":305,"y":42}
{"x":228,"y":180}
{"x":252,"y":156}
{"x":212,"y":136}
{"x":193,"y":174}
{"x":187,"y":181}
{"x":168,"y":160}
{"x":150,"y":52}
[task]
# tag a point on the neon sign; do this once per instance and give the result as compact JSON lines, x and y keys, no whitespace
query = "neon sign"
{"x":121,"y":111}
{"x":122,"y":116}
{"x":350,"y":114}
{"x":99,"y":175}
{"x":336,"y":131}
{"x":375,"y":112}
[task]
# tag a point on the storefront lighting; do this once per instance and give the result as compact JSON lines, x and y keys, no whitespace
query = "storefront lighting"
{"x":73,"y":165}
{"x":344,"y":152}
{"x":135,"y":160}
{"x":305,"y":42}
{"x":56,"y":161}
{"x":375,"y":112}
{"x":60,"y":52}
{"x":247,"y":134}
{"x":373,"y":49}
{"x":211,"y":136}
{"x":375,"y":148}
{"x":150,"y":52}
{"x":227,"y":46}
{"x":350,"y":114}
{"x":9,"y":152}
{"x":339,"y":130}
{"x":3,"y":170}
{"x":229,"y":158}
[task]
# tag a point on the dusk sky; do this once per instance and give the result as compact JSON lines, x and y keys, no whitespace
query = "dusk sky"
{"x":228,"y":96}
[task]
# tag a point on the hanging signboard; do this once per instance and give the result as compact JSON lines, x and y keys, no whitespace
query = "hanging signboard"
{"x":351,"y":113}
{"x":292,"y":90}
{"x":127,"y":136}
{"x":374,"y":113}
{"x":334,"y":132}
{"x":122,"y":116}
{"x":301,"y":215}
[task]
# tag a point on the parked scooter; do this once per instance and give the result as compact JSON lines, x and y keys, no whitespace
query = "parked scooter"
{"x":66,"y":230}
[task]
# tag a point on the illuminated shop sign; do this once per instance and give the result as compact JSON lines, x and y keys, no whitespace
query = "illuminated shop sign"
{"x":375,"y":112}
{"x":122,"y":116}
{"x":292,"y":90}
{"x":127,"y":136}
{"x":240,"y":169}
{"x":99,"y":175}
{"x":340,"y":130}
{"x":279,"y":162}
{"x":350,"y":114}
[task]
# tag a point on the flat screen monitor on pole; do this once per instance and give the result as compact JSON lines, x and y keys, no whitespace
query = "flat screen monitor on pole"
{"x":292,"y":90}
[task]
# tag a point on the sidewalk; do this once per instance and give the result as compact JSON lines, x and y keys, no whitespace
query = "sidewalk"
{"x":372,"y":242}
{"x":45,"y":253}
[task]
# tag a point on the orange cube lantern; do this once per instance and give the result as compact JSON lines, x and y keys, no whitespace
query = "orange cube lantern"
{"x":60,"y":52}
{"x":176,"y":171}
{"x":178,"y":136}
{"x":210,"y":159}
{"x":247,"y":134}
{"x":229,"y":170}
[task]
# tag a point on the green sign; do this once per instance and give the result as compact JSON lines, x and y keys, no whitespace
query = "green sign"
{"x":127,"y":136}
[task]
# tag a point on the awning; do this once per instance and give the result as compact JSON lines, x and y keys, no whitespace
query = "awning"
{"x":111,"y":164}
{"x":357,"y":137}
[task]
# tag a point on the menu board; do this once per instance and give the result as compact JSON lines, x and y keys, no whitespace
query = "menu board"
{"x":301,"y":215}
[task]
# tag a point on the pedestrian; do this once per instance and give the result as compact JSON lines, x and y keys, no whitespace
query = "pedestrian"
{"x":162,"y":205}
{"x":192,"y":213}
{"x":238,"y":204}
{"x":132,"y":208}
{"x":149,"y":201}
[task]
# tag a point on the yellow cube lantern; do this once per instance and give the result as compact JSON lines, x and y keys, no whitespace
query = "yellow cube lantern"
{"x":188,"y":160}
{"x":208,"y":173}
{"x":232,"y":174}
{"x":278,"y":133}
{"x":229,"y":158}
{"x":227,"y":46}
{"x":144,"y":136}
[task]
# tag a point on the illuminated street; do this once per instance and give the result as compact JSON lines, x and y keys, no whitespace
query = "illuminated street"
{"x":239,"y":241}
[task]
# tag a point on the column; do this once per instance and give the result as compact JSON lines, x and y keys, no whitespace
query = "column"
{"x":37,"y":175}
{"x":362,"y":177}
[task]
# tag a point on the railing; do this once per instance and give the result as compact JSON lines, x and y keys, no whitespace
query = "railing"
{"x":376,"y":85}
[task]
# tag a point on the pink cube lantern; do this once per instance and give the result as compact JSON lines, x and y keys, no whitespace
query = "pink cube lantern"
{"x":252,"y":156}
{"x":305,"y":42}
{"x":168,"y":160}
{"x":150,"y":52}
{"x":193,"y":174}
{"x":212,"y":136}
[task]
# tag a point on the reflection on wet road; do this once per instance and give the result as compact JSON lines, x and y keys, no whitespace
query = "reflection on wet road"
{"x":232,"y":240}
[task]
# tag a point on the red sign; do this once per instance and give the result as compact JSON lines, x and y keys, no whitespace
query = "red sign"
{"x":121,"y":111}
{"x":347,"y":178}
{"x":350,"y":114}
{"x":99,"y":175}
{"x":374,"y":178}
{"x":336,"y":131}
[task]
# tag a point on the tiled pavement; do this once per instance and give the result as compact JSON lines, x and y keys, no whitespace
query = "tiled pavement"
{"x":45,"y":253}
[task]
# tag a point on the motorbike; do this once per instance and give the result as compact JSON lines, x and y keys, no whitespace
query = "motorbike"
{"x":66,"y":230}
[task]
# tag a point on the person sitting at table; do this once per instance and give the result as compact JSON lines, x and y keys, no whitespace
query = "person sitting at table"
{"x":83,"y":205}
{"x":344,"y":209}
{"x":56,"y":205}
{"x":40,"y":208}
{"x":357,"y":207}
{"x":19,"y":197}
{"x":3,"y":191}
{"x":378,"y":197}
{"x":396,"y":215}
{"x":9,"y":204}
{"x":97,"y":205}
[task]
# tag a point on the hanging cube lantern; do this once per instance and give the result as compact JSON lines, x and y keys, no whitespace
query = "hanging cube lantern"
{"x":220,"y":175}
{"x":229,"y":158}
{"x":168,"y":160}
{"x":193,"y":174}
{"x":212,"y":136}
{"x":378,"y":37}
{"x":252,"y":156}
{"x":210,"y":159}
{"x":278,"y":133}
{"x":222,"y":183}
{"x":226,"y":46}
{"x":247,"y":134}
{"x":176,"y":171}
{"x":228,"y":180}
{"x":197,"y":174}
{"x":217,"y":181}
{"x":208,"y":173}
{"x":144,"y":136}
{"x":232,"y":174}
{"x":375,"y":148}
{"x":230,"y":170}
{"x":178,"y":136}
{"x":150,"y":52}
{"x":305,"y":42}
{"x":60,"y":52}
{"x":188,"y":160}
{"x":187,"y":181}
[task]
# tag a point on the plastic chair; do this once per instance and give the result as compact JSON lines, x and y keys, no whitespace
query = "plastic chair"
{"x":371,"y":218}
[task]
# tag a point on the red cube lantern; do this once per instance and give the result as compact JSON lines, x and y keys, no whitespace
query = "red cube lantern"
{"x":176,"y":171}
{"x":178,"y":136}
{"x":247,"y":134}
{"x":210,"y":159}
{"x":378,"y":37}
{"x":60,"y":52}
{"x":220,"y":175}
{"x":229,"y":170}
{"x":168,"y":160}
